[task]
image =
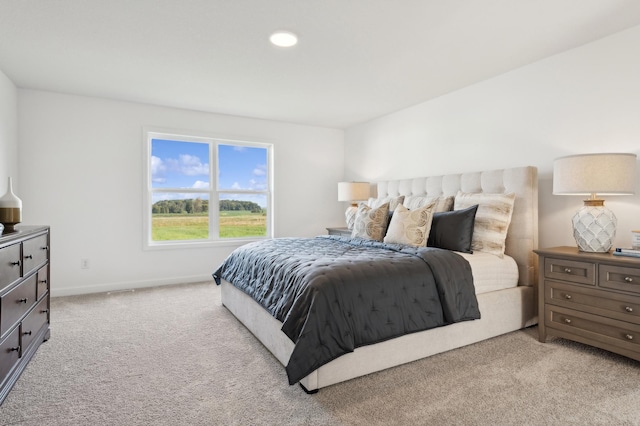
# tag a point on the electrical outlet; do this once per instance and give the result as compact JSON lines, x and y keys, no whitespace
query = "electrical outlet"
{"x":84,"y":263}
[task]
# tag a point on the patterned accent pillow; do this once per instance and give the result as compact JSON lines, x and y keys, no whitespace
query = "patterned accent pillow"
{"x":492,"y":219}
{"x":371,"y":223}
{"x":410,"y":227}
{"x":393,"y":202}
{"x":443,"y":204}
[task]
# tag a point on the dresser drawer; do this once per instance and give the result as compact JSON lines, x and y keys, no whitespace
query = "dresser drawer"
{"x":42,"y":282}
{"x":614,"y":305}
{"x":16,"y":303}
{"x":33,"y":323}
{"x":9,"y":265}
{"x":570,"y":270}
{"x":35,"y":252}
{"x":620,"y":278}
{"x":9,"y":353}
{"x":608,"y":332}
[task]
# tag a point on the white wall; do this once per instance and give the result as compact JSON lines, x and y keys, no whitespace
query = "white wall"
{"x":81,"y":173}
{"x":585,"y":100}
{"x":8,"y":134}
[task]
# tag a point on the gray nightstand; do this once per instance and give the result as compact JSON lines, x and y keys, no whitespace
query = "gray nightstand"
{"x":592,"y":298}
{"x":345,"y":232}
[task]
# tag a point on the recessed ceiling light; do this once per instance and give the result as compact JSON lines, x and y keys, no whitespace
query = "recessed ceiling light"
{"x":284,"y":39}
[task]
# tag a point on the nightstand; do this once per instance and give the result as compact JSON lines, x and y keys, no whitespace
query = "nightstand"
{"x":591,"y":298}
{"x":345,"y":232}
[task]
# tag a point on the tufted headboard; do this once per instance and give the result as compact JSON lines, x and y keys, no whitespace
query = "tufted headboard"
{"x":522,"y":237}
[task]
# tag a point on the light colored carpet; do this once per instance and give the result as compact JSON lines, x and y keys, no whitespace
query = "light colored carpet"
{"x":174,"y":356}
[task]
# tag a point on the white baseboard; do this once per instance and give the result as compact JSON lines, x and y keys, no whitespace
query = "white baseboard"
{"x":128,"y":285}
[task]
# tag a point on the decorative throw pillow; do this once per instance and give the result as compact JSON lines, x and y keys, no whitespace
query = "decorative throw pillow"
{"x":453,"y":230}
{"x":492,"y":219}
{"x":371,"y":223}
{"x":443,"y":204}
{"x":393,"y":202}
{"x":410,"y":227}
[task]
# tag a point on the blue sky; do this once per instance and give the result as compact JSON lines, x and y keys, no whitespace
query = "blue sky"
{"x":186,"y":165}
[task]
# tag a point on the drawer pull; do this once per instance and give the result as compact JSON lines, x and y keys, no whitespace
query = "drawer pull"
{"x":44,"y":311}
{"x":16,"y":349}
{"x":42,"y":281}
{"x":567,"y":320}
{"x":628,"y":308}
{"x":44,"y":248}
{"x":16,"y":263}
{"x":628,"y":279}
{"x":27,"y":333}
{"x":23,"y":300}
{"x":629,"y":336}
{"x":567,"y":270}
{"x":567,"y":296}
{"x":28,"y":256}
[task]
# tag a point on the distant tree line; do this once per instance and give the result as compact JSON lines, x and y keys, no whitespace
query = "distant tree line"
{"x":198,"y":205}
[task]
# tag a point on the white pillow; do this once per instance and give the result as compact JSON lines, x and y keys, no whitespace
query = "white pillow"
{"x":393,"y":202}
{"x":492,"y":219}
{"x":443,"y":204}
{"x":410,"y":227}
{"x":371,"y":223}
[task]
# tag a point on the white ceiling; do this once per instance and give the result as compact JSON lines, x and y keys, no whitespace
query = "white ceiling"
{"x":356,"y":59}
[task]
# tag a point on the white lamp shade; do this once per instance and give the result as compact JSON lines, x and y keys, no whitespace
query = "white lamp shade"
{"x":353,"y":191}
{"x":604,"y":174}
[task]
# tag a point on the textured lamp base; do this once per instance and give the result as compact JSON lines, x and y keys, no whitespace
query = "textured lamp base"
{"x":594,"y":228}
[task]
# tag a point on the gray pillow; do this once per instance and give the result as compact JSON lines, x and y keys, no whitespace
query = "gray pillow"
{"x":453,"y":230}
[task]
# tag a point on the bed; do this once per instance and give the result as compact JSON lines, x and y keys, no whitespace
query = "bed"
{"x":504,"y":285}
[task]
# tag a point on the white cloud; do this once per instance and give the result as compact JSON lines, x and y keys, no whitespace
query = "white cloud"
{"x":260,"y":170}
{"x":158,"y":169}
{"x":188,"y":165}
{"x":200,"y":184}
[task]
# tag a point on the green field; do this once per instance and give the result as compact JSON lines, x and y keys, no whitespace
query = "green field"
{"x":233,"y":224}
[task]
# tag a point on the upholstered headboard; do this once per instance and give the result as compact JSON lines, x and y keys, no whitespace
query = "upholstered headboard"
{"x":522,"y":237}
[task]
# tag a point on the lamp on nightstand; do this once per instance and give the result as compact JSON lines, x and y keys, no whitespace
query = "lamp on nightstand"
{"x":594,"y":225}
{"x":352,"y":192}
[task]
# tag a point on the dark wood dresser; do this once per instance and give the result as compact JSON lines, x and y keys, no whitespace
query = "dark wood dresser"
{"x":592,"y":298}
{"x":24,"y":300}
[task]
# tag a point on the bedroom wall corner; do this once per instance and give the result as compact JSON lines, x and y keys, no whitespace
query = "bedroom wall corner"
{"x":580,"y":101}
{"x":8,"y":133}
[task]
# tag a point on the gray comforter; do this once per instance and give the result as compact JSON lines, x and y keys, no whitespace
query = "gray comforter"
{"x":334,"y":294}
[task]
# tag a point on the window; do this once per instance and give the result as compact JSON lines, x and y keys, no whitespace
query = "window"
{"x":201,"y":190}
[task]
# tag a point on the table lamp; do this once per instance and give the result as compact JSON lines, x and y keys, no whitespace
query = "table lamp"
{"x":594,"y":225}
{"x":352,"y":192}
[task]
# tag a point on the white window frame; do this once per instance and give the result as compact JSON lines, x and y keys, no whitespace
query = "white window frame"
{"x":213,"y":191}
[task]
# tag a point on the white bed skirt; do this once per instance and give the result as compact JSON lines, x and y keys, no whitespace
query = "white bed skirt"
{"x":502,"y":311}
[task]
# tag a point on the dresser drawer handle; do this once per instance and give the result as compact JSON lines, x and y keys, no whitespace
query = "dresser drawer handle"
{"x":16,"y":263}
{"x":44,"y":248}
{"x":629,"y":336}
{"x":44,"y":311}
{"x":16,"y":349}
{"x":628,"y":279}
{"x":567,"y":270}
{"x":27,"y":333}
{"x":567,"y":296}
{"x":28,"y":256}
{"x":567,"y":320}
{"x":23,"y":300}
{"x":42,"y":281}
{"x":628,"y":308}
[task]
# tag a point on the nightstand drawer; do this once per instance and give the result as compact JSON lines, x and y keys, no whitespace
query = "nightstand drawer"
{"x":614,"y":305}
{"x":608,"y":332}
{"x":570,"y":270}
{"x":620,"y":278}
